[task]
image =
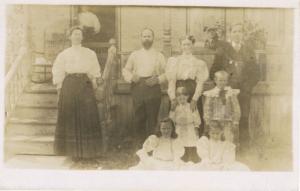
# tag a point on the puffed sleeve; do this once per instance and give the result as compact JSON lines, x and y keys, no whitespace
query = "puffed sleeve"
{"x":162,"y":68}
{"x":149,"y":145}
{"x":58,"y":70}
{"x":127,"y":71}
{"x":171,"y":77}
{"x":229,"y":153}
{"x":202,"y":148}
{"x":201,"y":77}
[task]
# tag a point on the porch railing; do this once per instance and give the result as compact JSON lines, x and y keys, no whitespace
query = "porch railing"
{"x":15,"y":80}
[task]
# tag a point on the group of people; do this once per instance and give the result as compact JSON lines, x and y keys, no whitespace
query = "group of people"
{"x":202,"y":129}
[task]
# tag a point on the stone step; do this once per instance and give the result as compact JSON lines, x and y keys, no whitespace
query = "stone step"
{"x":40,"y":145}
{"x":34,"y":116}
{"x":18,"y":129}
{"x":38,"y":101}
{"x":42,"y":88}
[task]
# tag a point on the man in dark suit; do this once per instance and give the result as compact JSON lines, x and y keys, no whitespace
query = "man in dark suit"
{"x":238,"y":59}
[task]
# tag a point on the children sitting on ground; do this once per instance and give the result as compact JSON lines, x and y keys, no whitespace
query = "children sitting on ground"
{"x":187,"y":123}
{"x":215,"y":153}
{"x":161,"y":151}
{"x":221,"y":104}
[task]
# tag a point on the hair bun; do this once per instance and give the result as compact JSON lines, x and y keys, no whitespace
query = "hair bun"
{"x":191,"y":38}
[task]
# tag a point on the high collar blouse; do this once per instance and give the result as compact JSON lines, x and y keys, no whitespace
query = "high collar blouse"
{"x":76,"y":59}
{"x":186,"y":67}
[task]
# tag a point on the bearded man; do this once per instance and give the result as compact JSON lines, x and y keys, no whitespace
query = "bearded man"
{"x":145,"y":71}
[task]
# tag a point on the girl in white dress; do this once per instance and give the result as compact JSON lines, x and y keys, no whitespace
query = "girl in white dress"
{"x":187,"y":123}
{"x":217,"y":154}
{"x":162,"y":151}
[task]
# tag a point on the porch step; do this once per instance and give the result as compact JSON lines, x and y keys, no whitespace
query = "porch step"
{"x":43,"y":88}
{"x":34,"y":116}
{"x":46,"y":101}
{"x":43,"y":121}
{"x":40,"y":145}
{"x":27,"y":129}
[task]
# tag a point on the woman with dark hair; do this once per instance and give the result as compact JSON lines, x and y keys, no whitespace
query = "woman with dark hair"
{"x":187,"y":71}
{"x":78,"y":131}
{"x":161,"y":151}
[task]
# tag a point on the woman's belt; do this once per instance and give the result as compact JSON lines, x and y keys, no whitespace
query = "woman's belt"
{"x":76,"y":74}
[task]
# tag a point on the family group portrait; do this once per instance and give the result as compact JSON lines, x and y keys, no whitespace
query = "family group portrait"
{"x":98,"y":87}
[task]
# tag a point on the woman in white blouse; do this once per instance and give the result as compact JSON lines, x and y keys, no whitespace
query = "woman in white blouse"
{"x":78,"y":132}
{"x":187,"y":71}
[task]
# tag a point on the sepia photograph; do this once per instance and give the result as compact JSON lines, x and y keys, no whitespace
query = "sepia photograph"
{"x":139,"y":88}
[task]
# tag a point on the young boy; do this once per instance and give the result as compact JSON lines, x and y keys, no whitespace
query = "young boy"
{"x":221,"y":104}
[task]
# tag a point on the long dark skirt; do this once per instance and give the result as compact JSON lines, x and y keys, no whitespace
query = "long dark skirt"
{"x":78,"y":131}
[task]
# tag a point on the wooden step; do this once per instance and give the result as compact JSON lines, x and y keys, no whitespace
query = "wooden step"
{"x":47,"y":101}
{"x":43,"y":121}
{"x":34,"y":115}
{"x":42,"y":88}
{"x":41,"y":145}
{"x":18,"y":129}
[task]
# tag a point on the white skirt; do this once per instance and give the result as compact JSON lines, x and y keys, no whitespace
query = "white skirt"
{"x":187,"y":135}
{"x":150,"y":163}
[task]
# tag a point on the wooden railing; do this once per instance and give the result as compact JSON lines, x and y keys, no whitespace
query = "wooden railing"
{"x":15,"y":81}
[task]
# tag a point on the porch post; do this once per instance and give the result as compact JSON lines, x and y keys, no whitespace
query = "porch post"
{"x":167,"y":49}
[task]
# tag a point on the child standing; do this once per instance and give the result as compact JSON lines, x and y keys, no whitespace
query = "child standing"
{"x":217,"y":154}
{"x":161,"y":151}
{"x":187,"y":123}
{"x":221,"y":104}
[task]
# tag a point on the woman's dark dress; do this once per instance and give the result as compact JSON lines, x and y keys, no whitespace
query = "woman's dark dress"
{"x":78,"y":131}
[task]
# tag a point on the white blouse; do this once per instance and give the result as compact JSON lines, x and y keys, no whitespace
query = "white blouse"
{"x":76,"y":59}
{"x":186,"y":67}
{"x":163,"y":149}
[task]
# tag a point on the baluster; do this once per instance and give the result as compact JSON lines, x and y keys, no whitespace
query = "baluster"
{"x":10,"y":97}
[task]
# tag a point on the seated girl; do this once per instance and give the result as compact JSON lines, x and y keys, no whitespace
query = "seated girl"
{"x":217,"y":154}
{"x":161,"y":151}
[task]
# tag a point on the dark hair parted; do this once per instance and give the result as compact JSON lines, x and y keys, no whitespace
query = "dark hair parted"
{"x":188,"y":37}
{"x":70,"y":31}
{"x":147,"y":29}
{"x":167,"y":120}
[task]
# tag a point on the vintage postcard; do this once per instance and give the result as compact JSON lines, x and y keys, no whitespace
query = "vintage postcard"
{"x":94,"y":88}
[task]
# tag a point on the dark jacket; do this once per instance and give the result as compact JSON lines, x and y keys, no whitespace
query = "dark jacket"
{"x":241,"y":65}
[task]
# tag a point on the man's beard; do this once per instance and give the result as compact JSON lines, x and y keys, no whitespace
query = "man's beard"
{"x":147,"y":44}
